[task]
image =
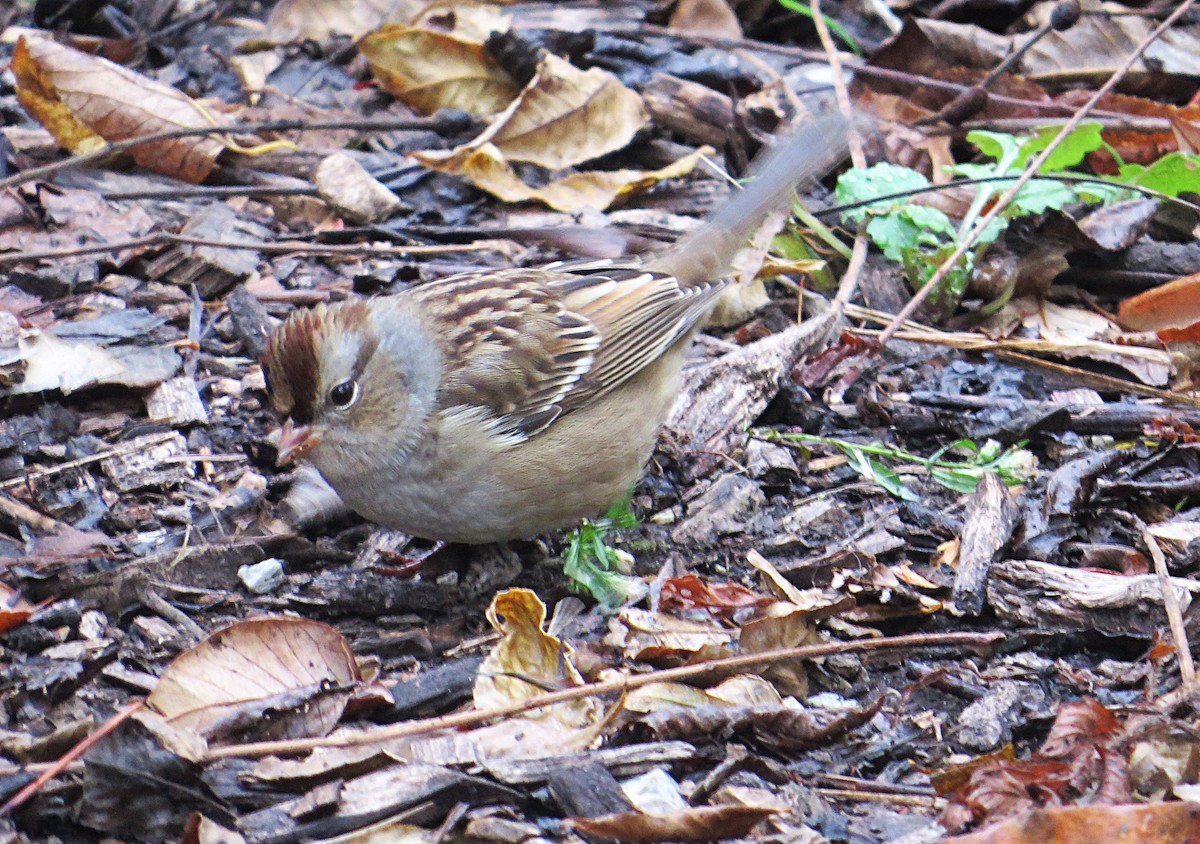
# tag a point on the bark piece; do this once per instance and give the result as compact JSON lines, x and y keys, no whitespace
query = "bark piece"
{"x":176,"y":402}
{"x":146,"y":465}
{"x":720,"y":400}
{"x":212,"y":269}
{"x":586,"y":790}
{"x":695,"y":112}
{"x":628,"y":760}
{"x":1058,"y":599}
{"x":989,"y":522}
{"x":725,"y":508}
{"x":436,"y":690}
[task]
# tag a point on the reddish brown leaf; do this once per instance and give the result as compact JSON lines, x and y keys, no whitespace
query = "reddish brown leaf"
{"x":86,"y":102}
{"x":721,"y":600}
{"x":704,"y":823}
{"x":1158,"y":823}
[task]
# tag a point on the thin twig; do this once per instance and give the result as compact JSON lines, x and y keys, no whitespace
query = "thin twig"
{"x":18,"y":799}
{"x":1031,"y":169}
{"x":708,"y":669}
{"x":117,"y":147}
{"x":840,"y":90}
{"x":284,"y":247}
{"x":1187,"y":668}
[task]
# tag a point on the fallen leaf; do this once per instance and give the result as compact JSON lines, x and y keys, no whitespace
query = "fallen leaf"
{"x":430,"y":70}
{"x":1174,"y":305}
{"x":1157,"y":823}
{"x":690,"y":593}
{"x":295,"y":671}
{"x":529,"y":662}
{"x":593,"y":190}
{"x":711,"y":18}
{"x":566,"y":116}
{"x":319,"y":19}
{"x":698,"y":823}
{"x":87,"y":102}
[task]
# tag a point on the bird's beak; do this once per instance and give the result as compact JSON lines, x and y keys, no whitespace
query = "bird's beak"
{"x":295,"y":443}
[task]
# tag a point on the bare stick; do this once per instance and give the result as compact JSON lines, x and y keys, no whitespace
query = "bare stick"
{"x":708,"y":669}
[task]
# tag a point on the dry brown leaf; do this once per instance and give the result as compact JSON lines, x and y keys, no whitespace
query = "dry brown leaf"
{"x":302,"y":669}
{"x":528,"y":662}
{"x":87,"y":102}
{"x":739,"y":690}
{"x":566,"y":116}
{"x":698,"y":823}
{"x":645,"y":635}
{"x":712,"y":18}
{"x":1157,"y":823}
{"x":319,"y":19}
{"x":429,"y":70}
{"x":1174,"y":305}
{"x":593,"y":190}
{"x":1081,"y":333}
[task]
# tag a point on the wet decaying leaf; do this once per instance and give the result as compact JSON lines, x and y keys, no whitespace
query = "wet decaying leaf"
{"x":692,"y":824}
{"x":143,"y":780}
{"x":1078,"y":762}
{"x":266,"y":677}
{"x":88,"y":102}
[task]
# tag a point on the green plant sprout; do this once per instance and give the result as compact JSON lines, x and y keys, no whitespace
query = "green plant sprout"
{"x":1013,"y":465}
{"x":836,"y":28}
{"x":920,"y":237}
{"x":594,"y":567}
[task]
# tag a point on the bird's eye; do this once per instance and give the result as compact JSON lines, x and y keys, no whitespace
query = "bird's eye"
{"x":344,"y":394}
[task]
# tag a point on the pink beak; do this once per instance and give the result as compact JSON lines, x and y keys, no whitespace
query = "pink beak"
{"x":295,"y":443}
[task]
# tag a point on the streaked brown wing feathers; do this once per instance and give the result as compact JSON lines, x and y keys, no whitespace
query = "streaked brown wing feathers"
{"x":530,"y":345}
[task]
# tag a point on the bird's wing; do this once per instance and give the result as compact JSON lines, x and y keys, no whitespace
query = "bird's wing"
{"x":527,"y":346}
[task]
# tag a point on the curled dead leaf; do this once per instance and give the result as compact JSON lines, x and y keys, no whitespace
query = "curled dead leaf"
{"x":592,"y":190}
{"x":87,"y":102}
{"x":271,"y":677}
{"x":430,"y":70}
{"x":528,"y":662}
{"x":700,"y":823}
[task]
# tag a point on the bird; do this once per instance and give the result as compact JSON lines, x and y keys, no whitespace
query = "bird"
{"x":504,"y":404}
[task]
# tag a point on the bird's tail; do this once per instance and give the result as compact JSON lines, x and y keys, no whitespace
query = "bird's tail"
{"x":705,"y":254}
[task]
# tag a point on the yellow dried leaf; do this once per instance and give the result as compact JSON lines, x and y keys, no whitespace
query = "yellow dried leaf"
{"x":85,"y":101}
{"x":566,"y":116}
{"x":430,"y":70}
{"x":597,"y":190}
{"x":528,"y":662}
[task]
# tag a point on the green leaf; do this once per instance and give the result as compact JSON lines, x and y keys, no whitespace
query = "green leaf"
{"x":875,"y":471}
{"x":1039,"y":195}
{"x":894,"y":234}
{"x":959,"y":480}
{"x":1083,"y":139}
{"x":933,"y":219}
{"x":883,"y":179}
{"x":835,"y":27}
{"x":1173,"y":174}
{"x":997,"y":146}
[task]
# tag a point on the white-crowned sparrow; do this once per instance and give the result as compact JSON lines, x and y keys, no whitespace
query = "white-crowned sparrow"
{"x":496,"y":405}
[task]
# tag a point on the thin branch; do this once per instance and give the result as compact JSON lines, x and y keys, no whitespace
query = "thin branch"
{"x":1031,"y":169}
{"x":706,"y":670}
